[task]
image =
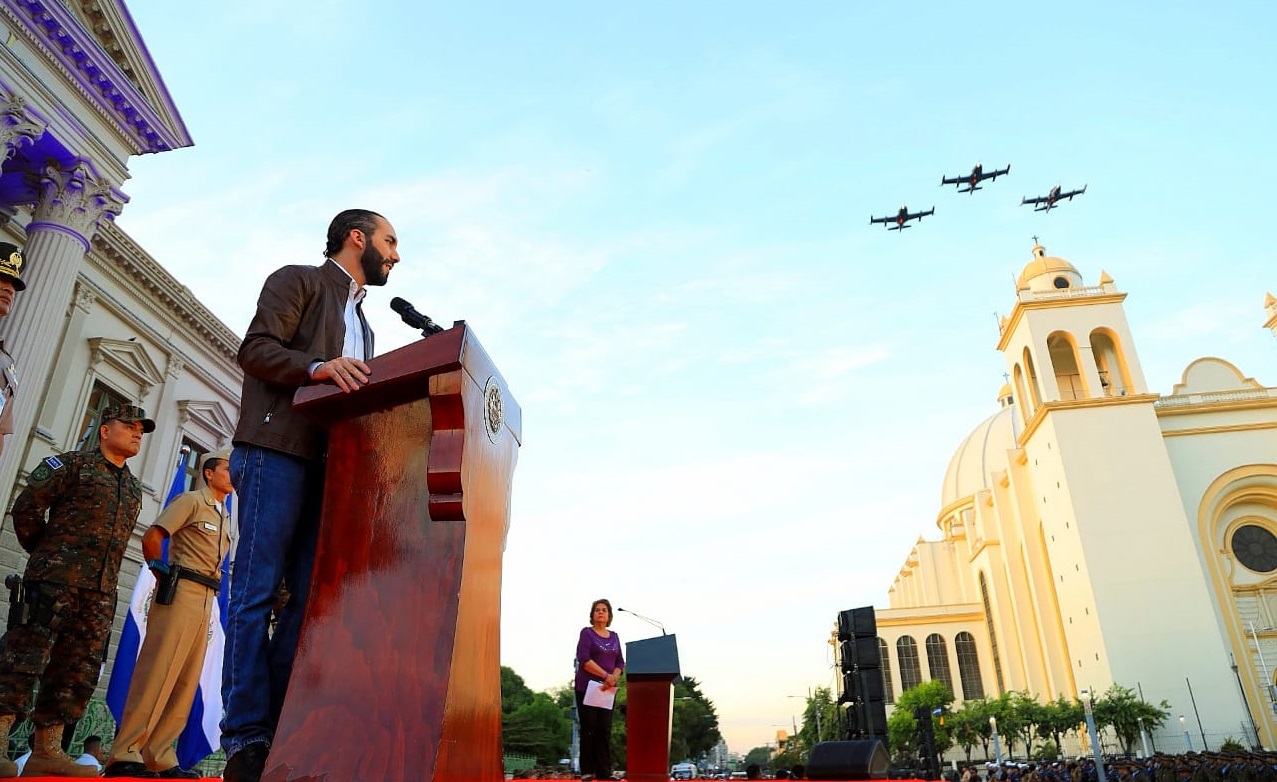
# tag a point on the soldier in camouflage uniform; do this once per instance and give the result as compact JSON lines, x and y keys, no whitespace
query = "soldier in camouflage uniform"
{"x":92,"y":502}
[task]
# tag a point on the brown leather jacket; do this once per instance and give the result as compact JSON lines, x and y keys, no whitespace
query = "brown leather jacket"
{"x":299,"y":321}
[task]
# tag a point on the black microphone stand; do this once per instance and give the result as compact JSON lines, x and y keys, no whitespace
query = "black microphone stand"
{"x":652,"y":622}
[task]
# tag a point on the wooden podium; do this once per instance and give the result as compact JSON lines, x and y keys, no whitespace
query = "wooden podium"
{"x":651,"y":666}
{"x":397,"y":675}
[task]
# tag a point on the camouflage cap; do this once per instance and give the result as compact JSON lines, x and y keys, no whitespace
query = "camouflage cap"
{"x":128,"y":414}
{"x":11,"y":264}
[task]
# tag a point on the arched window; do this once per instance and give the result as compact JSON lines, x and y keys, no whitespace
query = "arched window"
{"x":968,"y":666}
{"x":907,"y":656}
{"x":884,"y":652}
{"x":1026,"y":402}
{"x":938,"y":661}
{"x":1035,"y":388}
{"x":993,"y":634}
{"x":1068,"y":377}
{"x":1115,"y":379}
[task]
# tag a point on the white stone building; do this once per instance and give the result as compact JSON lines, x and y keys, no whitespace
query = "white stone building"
{"x":101,"y":320}
{"x":1093,"y":531}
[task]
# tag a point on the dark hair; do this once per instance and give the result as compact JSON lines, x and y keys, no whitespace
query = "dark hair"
{"x":92,"y":742}
{"x":210,"y":464}
{"x":344,"y":223}
{"x":602,"y":601}
{"x":753,"y":771}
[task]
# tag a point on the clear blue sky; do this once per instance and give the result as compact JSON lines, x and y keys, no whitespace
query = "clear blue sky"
{"x":739,"y":398}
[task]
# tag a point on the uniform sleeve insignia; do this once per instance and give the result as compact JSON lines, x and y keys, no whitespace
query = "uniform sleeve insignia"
{"x":44,"y":470}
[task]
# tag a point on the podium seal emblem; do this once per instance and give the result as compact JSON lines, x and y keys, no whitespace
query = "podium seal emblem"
{"x":493,"y":412}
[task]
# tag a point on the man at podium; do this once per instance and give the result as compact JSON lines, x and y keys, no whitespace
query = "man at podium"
{"x":309,"y":328}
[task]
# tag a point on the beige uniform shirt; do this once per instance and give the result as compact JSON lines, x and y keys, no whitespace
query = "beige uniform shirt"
{"x":198,"y":535}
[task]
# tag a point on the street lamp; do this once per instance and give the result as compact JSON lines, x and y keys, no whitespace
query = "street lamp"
{"x":997,"y":748}
{"x":1085,"y":697}
{"x":1183,"y":723}
{"x":1143,"y":736}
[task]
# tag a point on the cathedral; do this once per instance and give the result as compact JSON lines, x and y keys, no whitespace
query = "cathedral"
{"x":1093,"y":531}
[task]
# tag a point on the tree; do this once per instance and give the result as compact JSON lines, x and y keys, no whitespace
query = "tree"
{"x":965,"y":726}
{"x":1028,"y":714}
{"x":1012,"y":726}
{"x":539,"y":728}
{"x":820,"y":721}
{"x":790,"y":755}
{"x":514,"y":693}
{"x":1058,"y":718}
{"x":695,"y":728}
{"x":1121,"y":709}
{"x":902,"y":729}
{"x":760,"y":755}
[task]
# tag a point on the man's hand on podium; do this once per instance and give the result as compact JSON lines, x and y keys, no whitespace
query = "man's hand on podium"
{"x":346,"y":373}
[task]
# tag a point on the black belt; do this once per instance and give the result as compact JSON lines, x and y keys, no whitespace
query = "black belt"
{"x":190,"y":575}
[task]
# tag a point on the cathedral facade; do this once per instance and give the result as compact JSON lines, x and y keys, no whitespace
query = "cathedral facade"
{"x":1093,"y":531}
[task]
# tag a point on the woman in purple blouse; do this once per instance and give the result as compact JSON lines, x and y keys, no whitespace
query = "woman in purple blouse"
{"x":598,"y":658}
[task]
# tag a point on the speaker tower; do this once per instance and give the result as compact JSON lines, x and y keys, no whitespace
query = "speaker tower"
{"x":860,"y":661}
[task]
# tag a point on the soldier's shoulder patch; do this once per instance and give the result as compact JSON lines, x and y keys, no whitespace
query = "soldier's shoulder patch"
{"x":44,"y":470}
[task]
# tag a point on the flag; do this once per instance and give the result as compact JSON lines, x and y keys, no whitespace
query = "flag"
{"x":200,"y":737}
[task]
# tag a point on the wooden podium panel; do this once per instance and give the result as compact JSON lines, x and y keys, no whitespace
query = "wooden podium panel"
{"x":397,"y":674}
{"x":650,"y":670}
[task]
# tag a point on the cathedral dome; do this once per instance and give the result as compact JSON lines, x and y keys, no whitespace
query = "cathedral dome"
{"x":981,"y":453}
{"x":1047,"y":273}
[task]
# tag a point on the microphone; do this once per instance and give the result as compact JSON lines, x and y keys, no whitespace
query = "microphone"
{"x":652,"y":622}
{"x":413,"y":318}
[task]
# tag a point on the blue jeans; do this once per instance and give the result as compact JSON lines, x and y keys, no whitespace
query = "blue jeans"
{"x":280,"y":498}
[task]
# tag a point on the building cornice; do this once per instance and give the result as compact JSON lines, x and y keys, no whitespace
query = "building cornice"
{"x":139,"y":268}
{"x":1223,"y":429}
{"x":971,"y":612}
{"x":954,"y":507}
{"x":55,"y":32}
{"x":1217,"y":401}
{"x":1017,"y":313}
{"x":1046,"y":408}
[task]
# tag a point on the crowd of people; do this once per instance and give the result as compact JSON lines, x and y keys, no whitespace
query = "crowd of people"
{"x":76,"y":516}
{"x":1159,"y":767}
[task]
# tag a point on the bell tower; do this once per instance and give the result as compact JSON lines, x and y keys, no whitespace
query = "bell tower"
{"x":1105,"y":497}
{"x":1065,"y":341}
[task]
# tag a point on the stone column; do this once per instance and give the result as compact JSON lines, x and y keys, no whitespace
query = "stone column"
{"x":70,"y":377}
{"x":72,"y":200}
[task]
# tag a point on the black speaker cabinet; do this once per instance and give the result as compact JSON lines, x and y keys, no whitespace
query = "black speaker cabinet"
{"x":866,"y":759}
{"x":857,"y":623}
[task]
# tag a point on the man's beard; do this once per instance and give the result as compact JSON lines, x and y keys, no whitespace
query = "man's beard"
{"x":372,"y":262}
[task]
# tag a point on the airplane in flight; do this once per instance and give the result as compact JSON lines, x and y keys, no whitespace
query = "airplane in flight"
{"x":1051,"y":200}
{"x":901,"y":218}
{"x":973,"y":180}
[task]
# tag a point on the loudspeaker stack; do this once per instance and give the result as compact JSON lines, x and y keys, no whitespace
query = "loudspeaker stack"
{"x":860,"y":661}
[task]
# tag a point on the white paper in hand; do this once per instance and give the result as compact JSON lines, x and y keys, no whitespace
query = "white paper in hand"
{"x":598,"y":697}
